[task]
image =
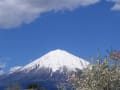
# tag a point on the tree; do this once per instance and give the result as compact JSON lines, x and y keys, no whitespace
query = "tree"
{"x":61,"y":86}
{"x":36,"y":87}
{"x":104,"y":75}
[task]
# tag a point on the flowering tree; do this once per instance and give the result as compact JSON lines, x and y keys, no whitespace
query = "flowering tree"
{"x":105,"y":75}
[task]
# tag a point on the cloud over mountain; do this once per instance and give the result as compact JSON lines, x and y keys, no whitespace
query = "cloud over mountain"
{"x":14,"y":13}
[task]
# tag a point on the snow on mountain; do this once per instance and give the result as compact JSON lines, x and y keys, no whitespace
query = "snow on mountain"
{"x":14,"y":69}
{"x":56,"y":60}
{"x":49,"y":70}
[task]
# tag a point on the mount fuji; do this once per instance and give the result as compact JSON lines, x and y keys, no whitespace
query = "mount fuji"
{"x":49,"y":70}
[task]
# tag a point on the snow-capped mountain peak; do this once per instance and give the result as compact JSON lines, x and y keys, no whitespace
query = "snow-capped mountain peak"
{"x":56,"y":60}
{"x":49,"y":70}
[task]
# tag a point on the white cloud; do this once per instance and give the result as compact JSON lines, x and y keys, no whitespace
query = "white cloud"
{"x":14,"y":69}
{"x":1,"y":72}
{"x":2,"y":66}
{"x":14,"y":13}
{"x":116,"y":5}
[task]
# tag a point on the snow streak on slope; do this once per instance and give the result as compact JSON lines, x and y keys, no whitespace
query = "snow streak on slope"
{"x":56,"y":60}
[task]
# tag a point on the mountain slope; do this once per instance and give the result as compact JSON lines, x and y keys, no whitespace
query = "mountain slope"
{"x":49,"y":70}
{"x":55,"y":60}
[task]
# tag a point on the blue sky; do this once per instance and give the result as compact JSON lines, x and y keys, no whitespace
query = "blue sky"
{"x":81,"y":31}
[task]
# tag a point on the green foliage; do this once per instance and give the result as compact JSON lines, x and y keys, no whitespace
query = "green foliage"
{"x":104,"y":75}
{"x":33,"y":86}
{"x":36,"y":87}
